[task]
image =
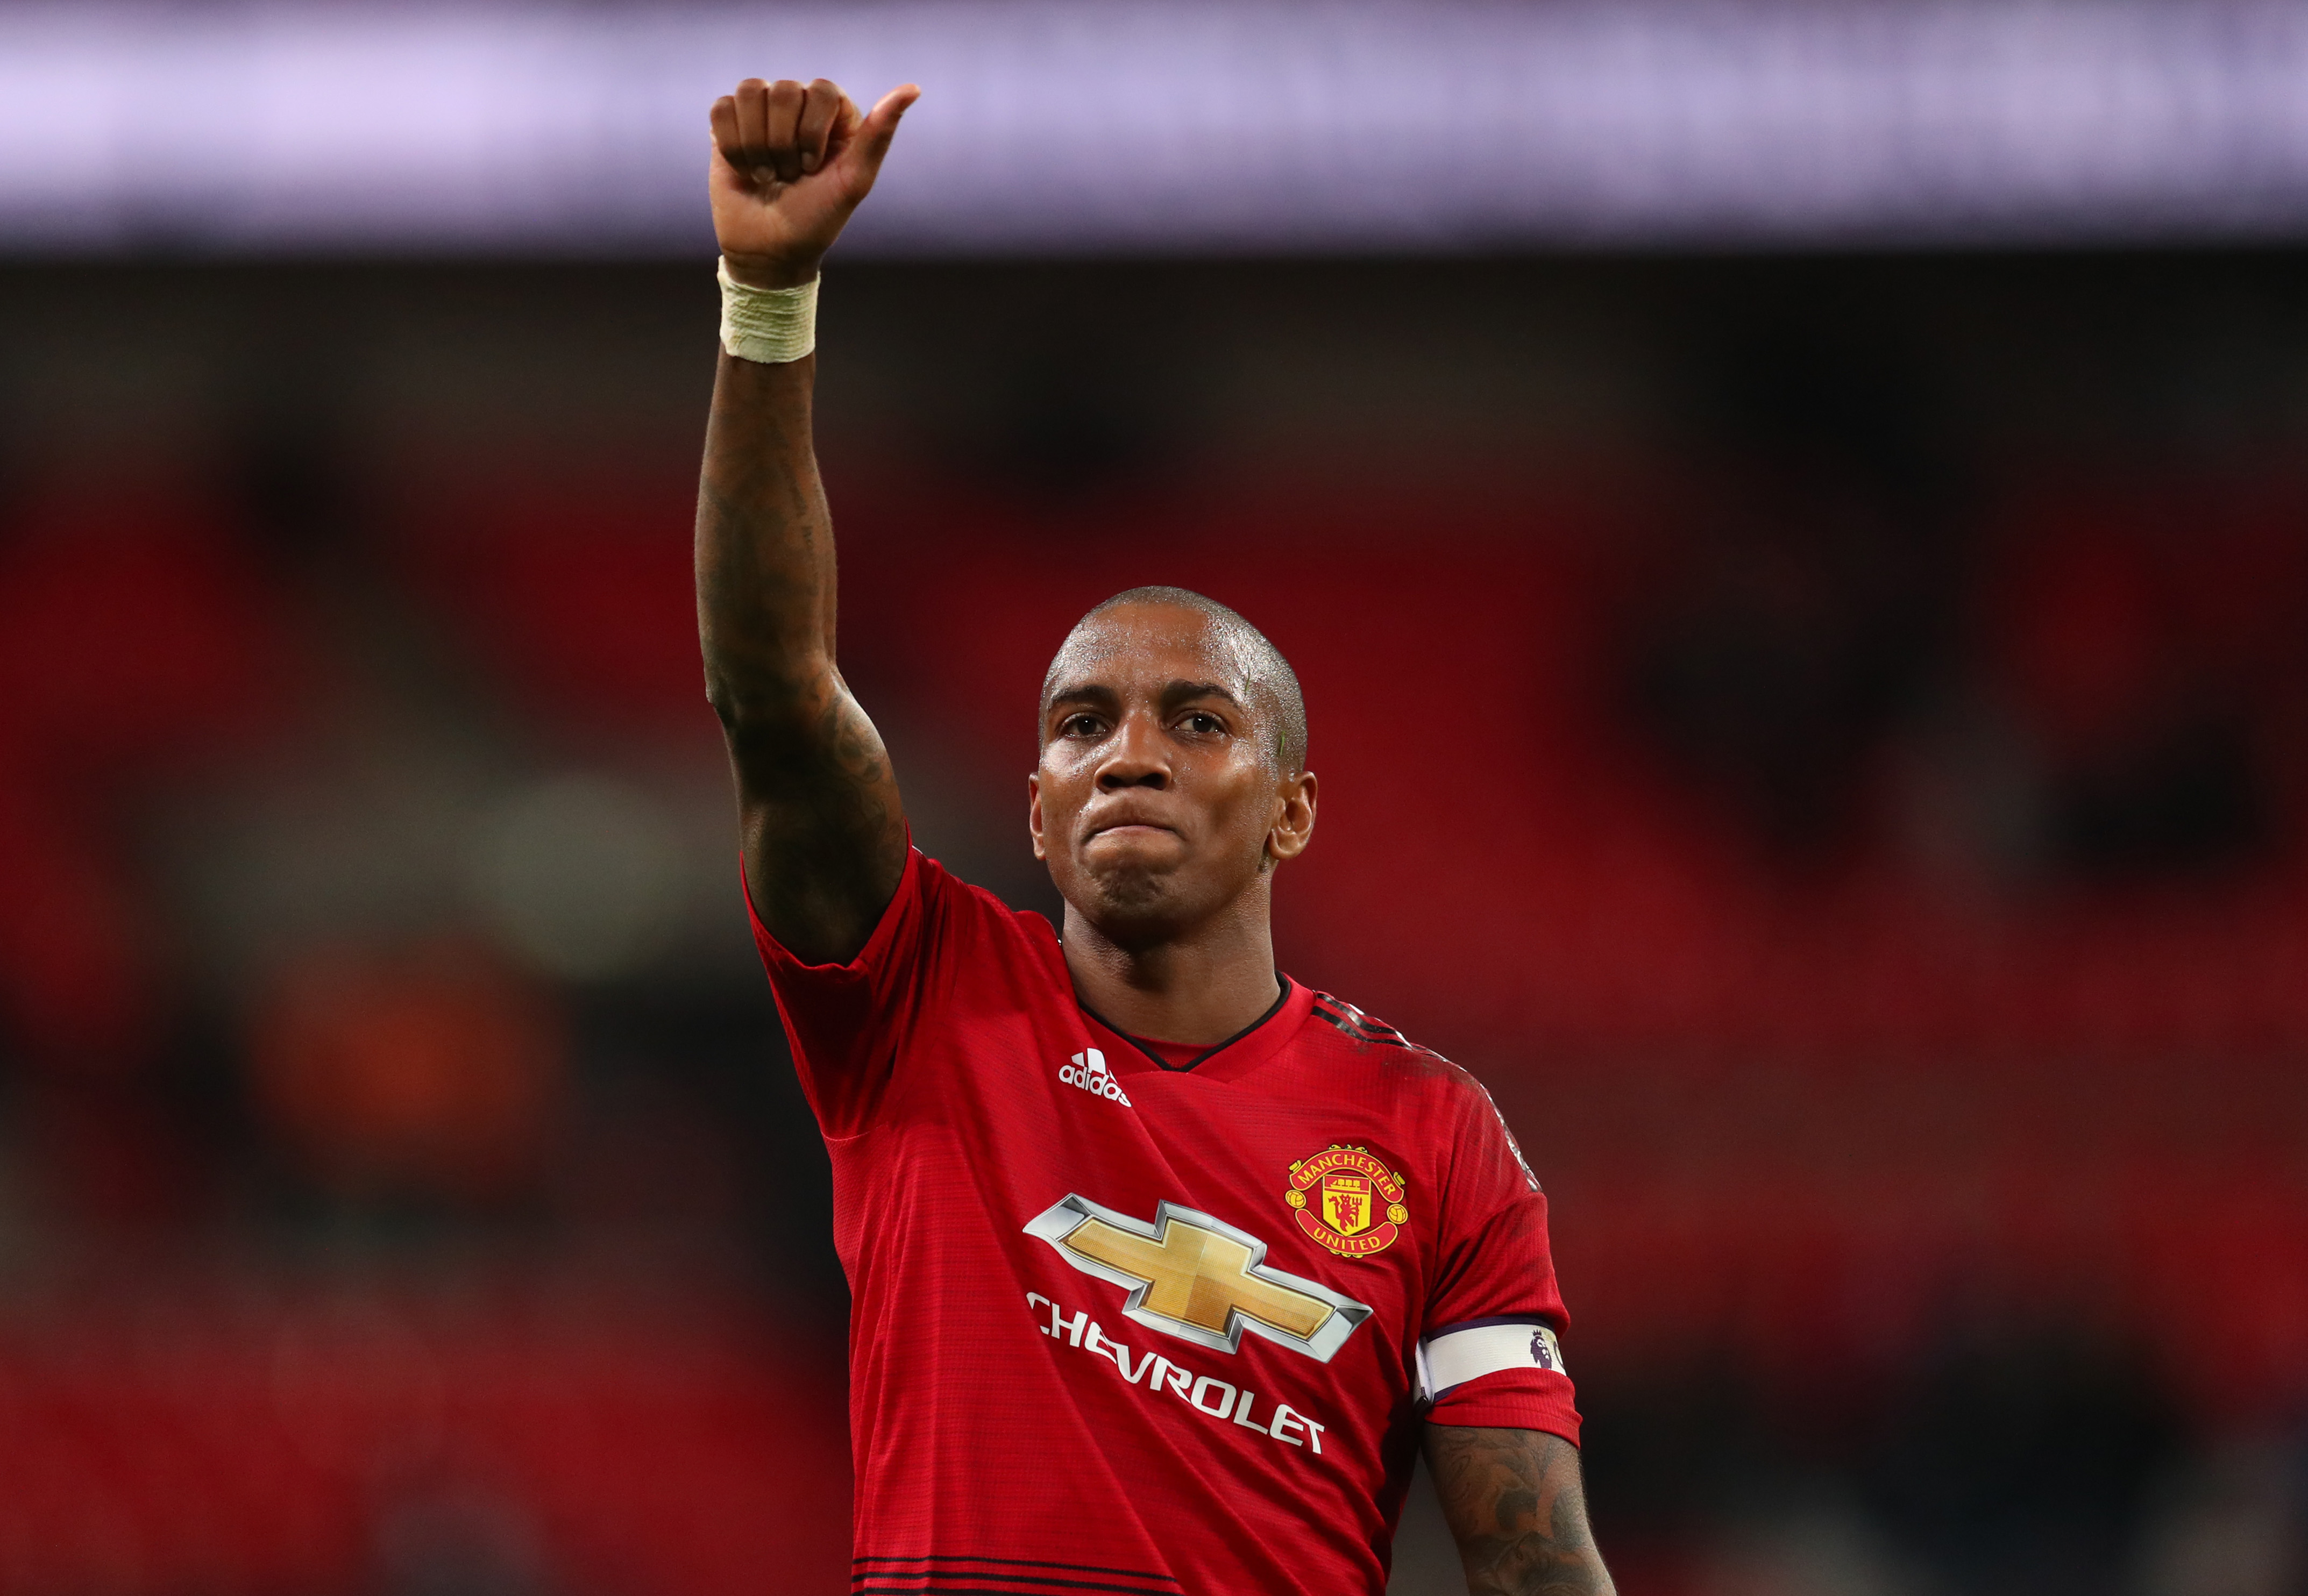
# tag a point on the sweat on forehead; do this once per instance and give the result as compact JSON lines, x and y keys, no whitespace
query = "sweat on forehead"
{"x":1230,"y":642}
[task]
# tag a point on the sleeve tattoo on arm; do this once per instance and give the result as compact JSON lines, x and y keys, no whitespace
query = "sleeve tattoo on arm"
{"x":1516,"y":1507}
{"x":824,"y":833}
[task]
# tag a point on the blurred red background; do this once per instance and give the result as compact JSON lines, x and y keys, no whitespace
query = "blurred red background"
{"x":1824,"y":740}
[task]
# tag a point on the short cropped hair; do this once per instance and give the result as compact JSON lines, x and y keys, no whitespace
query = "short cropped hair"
{"x":1271,"y":676}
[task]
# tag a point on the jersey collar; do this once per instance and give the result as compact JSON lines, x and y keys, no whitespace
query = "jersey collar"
{"x":1244,"y":1050}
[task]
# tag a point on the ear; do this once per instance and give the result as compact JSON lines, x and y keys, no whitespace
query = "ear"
{"x":1293,"y":823}
{"x":1033,"y":814}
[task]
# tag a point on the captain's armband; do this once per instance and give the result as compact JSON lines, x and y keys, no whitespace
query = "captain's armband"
{"x":1456,"y":1354}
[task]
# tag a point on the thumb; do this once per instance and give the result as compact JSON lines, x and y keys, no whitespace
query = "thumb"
{"x":880,"y":126}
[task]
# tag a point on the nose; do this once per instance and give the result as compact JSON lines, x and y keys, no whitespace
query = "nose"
{"x":1135,"y":757}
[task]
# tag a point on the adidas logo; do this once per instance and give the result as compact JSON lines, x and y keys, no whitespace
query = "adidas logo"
{"x":1088,"y":1071}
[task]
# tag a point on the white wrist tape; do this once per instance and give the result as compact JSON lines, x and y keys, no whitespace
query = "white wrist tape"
{"x":767,"y":325}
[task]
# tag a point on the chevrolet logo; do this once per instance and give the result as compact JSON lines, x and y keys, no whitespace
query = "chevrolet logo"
{"x":1198,"y":1278}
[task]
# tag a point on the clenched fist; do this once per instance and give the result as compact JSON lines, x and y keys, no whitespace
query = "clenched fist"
{"x":791,"y":162}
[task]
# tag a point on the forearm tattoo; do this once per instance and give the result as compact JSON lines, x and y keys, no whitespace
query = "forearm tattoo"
{"x":824,"y":832}
{"x":1515,"y":1504}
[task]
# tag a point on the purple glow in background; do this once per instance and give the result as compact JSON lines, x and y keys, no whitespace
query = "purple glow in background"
{"x":1167,"y":127}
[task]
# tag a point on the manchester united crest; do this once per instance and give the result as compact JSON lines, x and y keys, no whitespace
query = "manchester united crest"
{"x":1347,"y":1201}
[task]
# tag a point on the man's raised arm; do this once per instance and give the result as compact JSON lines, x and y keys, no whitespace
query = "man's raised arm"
{"x":824,"y":835}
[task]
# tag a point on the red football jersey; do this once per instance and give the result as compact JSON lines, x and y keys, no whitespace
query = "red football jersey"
{"x":1130,"y":1323}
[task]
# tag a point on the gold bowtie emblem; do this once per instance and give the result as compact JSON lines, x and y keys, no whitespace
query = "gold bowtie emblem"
{"x":1198,"y":1278}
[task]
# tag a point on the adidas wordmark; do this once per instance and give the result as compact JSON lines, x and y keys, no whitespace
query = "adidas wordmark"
{"x":1088,"y":1071}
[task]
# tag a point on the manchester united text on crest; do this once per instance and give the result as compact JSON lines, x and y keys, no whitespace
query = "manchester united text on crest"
{"x":1347,"y":1201}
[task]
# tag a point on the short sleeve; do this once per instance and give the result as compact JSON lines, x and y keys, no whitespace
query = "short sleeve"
{"x":1491,"y":1352}
{"x":846,"y":1023}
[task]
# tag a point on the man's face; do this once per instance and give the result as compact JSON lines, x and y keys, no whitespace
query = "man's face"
{"x":1160,"y":798}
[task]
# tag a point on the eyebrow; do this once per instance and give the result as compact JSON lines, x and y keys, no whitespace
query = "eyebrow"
{"x":1173,"y":694}
{"x":1082,"y":692}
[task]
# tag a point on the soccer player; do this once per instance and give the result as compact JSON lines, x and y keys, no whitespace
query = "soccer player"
{"x":1164,"y":1265}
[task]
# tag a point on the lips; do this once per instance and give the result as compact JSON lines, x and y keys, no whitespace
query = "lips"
{"x":1127,"y":823}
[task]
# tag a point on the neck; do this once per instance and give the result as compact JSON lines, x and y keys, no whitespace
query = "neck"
{"x":1199,"y":988}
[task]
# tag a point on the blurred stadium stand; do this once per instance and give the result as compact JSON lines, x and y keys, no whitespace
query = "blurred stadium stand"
{"x":488,"y":1434}
{"x":1821,"y":737}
